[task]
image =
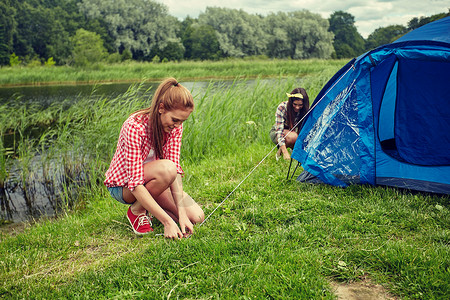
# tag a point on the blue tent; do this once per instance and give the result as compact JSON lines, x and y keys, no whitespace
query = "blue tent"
{"x":384,"y":118}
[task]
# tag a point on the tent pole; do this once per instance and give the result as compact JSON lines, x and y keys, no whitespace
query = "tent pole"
{"x":295,"y":169}
{"x":289,"y":171}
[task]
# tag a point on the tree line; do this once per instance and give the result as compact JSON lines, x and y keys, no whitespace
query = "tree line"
{"x":80,"y":32}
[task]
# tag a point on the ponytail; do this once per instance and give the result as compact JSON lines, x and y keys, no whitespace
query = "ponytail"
{"x":171,"y":95}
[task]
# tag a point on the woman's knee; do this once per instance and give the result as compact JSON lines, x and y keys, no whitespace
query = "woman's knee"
{"x":291,"y":138}
{"x":197,"y":215}
{"x":195,"y":212}
{"x":163,"y":170}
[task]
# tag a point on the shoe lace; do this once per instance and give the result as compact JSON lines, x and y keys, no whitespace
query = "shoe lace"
{"x":143,"y":219}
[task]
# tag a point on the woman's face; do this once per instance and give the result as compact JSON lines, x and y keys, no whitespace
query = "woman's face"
{"x":297,"y":105}
{"x":171,"y":119}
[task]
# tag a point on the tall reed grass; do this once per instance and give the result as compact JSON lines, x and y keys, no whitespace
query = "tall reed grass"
{"x":229,"y":118}
{"x":4,"y":163}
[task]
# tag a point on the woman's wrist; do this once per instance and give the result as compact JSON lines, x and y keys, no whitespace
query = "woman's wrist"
{"x":181,"y":212}
{"x":167,"y":221}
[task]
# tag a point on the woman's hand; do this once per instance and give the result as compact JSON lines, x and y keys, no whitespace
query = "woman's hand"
{"x":171,"y":231}
{"x":186,"y":225}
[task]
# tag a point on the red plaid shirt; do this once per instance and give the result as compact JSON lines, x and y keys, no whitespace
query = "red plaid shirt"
{"x":126,"y":168}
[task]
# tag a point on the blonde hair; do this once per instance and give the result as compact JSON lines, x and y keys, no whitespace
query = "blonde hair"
{"x":172,"y":95}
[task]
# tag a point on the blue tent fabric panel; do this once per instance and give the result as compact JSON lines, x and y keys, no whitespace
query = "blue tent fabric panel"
{"x":333,"y":121}
{"x":314,"y":145}
{"x":365,"y":130}
{"x":393,"y":172}
{"x":436,"y":31}
{"x":422,"y":115}
{"x":383,"y":97}
{"x":342,"y":117}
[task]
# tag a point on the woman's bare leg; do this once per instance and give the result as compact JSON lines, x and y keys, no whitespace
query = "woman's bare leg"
{"x":159,"y":175}
{"x":290,"y":138}
{"x":193,"y":210}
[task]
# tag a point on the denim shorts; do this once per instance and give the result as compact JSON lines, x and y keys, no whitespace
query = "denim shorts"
{"x":116,"y":193}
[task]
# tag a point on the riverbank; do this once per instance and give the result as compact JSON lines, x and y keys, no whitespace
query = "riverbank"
{"x":146,"y":71}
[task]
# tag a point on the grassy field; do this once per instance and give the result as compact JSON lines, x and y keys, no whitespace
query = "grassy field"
{"x":187,"y":70}
{"x":273,"y":238}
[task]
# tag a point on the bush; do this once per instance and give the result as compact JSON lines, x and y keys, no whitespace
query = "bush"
{"x":14,"y":60}
{"x":50,"y":62}
{"x":126,"y":55}
{"x":34,"y":63}
{"x":114,"y":58}
{"x":156,"y":59}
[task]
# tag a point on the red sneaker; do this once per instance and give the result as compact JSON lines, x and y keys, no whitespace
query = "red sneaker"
{"x":141,"y":224}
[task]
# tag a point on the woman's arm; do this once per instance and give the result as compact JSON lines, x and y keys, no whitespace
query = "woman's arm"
{"x":176,"y":189}
{"x":285,"y":152}
{"x":280,"y":118}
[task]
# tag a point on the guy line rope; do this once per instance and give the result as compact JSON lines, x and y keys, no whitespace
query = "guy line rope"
{"x":262,"y":160}
{"x":254,"y":168}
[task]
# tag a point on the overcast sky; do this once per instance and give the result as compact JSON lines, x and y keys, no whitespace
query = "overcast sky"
{"x":369,"y":14}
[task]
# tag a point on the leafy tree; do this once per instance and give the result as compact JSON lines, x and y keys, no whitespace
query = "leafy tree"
{"x":40,"y":32}
{"x":7,"y":29}
{"x":88,"y":48}
{"x":385,"y":35}
{"x":420,"y":21}
{"x":201,"y":42}
{"x":100,"y":27}
{"x":4,"y":46}
{"x":279,"y":43}
{"x":173,"y":50}
{"x":239,"y":34}
{"x":298,"y":35}
{"x":347,"y":41}
{"x":142,"y":26}
{"x":186,"y":30}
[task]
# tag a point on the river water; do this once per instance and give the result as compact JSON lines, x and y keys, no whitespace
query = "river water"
{"x":45,"y":95}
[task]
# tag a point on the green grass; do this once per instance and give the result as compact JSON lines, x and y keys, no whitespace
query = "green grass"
{"x":272,"y":238}
{"x":186,"y":70}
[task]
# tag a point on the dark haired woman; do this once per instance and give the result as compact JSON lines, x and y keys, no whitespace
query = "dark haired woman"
{"x":145,"y":171}
{"x":288,"y":114}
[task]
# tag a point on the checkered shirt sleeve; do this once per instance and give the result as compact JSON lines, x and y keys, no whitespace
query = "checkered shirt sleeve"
{"x":133,"y":157}
{"x":280,"y":119}
{"x":126,"y":168}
